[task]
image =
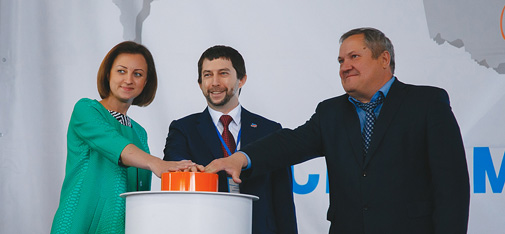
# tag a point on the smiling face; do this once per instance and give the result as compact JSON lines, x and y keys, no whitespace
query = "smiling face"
{"x":361,"y":74}
{"x":128,"y":76}
{"x":220,"y":84}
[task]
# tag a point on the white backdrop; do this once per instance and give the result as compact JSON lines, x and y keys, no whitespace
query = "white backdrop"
{"x":50,"y":51}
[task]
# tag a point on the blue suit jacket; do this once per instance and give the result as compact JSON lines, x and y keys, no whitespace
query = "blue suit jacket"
{"x":414,"y":179}
{"x":194,"y":137}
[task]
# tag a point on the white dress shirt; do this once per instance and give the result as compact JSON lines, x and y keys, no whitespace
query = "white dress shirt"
{"x":234,"y":126}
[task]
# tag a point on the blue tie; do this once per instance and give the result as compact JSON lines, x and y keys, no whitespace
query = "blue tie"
{"x":369,"y":121}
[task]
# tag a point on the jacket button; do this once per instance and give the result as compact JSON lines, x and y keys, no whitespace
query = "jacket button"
{"x":365,"y":208}
{"x":364,"y":174}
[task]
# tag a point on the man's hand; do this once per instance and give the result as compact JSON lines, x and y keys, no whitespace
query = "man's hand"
{"x":232,"y":165}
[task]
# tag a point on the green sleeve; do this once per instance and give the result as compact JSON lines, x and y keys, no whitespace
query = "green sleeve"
{"x":92,"y":124}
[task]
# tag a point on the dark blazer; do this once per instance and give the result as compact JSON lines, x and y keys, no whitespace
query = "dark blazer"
{"x":194,"y":137}
{"x":415,"y":177}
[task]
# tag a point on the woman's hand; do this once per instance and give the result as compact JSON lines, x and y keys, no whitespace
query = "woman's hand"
{"x":135,"y":157}
{"x":158,"y":166}
{"x":195,"y":168}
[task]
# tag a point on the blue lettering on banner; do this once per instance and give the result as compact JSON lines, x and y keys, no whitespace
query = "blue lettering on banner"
{"x":327,"y":183}
{"x":482,"y":165}
{"x":305,"y":188}
{"x":310,"y":186}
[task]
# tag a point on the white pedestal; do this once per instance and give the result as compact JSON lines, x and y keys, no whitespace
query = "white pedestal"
{"x":188,"y":212}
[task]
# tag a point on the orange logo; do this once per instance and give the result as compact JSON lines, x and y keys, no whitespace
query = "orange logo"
{"x":501,"y":23}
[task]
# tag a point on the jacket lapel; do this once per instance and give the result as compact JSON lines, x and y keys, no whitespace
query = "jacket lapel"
{"x":353,"y":130}
{"x":207,"y":131}
{"x":389,"y":109}
{"x":248,"y":127}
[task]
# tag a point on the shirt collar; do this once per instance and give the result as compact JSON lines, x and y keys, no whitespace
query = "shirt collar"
{"x":384,"y":90}
{"x":235,"y":115}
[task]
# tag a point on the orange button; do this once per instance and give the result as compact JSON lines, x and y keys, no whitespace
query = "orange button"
{"x":189,"y":181}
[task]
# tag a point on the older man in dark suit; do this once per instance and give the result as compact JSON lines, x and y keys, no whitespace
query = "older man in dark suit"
{"x":225,"y":126}
{"x":394,"y":152}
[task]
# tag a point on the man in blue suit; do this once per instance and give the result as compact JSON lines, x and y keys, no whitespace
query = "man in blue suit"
{"x":394,"y":152}
{"x":225,"y":126}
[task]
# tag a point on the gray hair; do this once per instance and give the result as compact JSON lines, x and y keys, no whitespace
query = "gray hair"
{"x":376,"y":41}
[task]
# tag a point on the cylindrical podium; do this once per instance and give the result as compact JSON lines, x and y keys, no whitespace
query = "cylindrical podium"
{"x":188,"y":212}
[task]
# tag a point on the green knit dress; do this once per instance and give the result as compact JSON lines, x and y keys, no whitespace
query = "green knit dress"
{"x":94,"y":179}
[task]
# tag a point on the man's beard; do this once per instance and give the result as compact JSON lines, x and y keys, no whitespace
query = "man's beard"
{"x":223,"y":102}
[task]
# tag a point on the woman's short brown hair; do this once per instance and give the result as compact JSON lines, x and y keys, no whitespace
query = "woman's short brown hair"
{"x":128,"y":47}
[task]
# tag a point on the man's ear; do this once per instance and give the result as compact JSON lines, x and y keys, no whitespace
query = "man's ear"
{"x":199,"y":84}
{"x":386,"y":59}
{"x":242,"y":82}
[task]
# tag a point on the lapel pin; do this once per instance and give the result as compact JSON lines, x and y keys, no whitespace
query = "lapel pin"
{"x":253,"y":125}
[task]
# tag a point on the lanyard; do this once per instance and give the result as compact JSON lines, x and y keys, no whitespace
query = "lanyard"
{"x":224,"y":144}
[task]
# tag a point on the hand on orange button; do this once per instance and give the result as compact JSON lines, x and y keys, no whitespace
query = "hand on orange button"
{"x":232,"y":165}
{"x":195,"y":168}
{"x":158,"y":166}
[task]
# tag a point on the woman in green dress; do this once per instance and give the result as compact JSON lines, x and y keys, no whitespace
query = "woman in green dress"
{"x":107,"y":152}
